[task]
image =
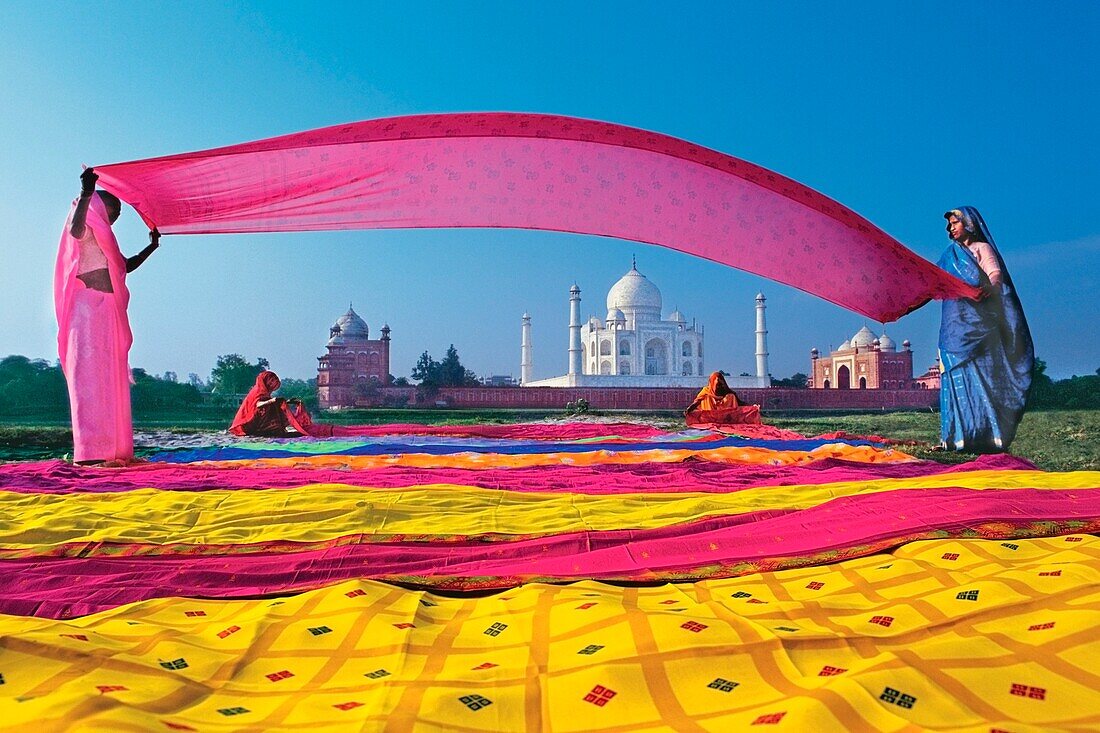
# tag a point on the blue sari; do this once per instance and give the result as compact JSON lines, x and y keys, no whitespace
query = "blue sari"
{"x":987,"y":353}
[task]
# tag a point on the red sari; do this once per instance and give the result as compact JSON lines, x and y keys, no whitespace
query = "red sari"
{"x":274,"y":419}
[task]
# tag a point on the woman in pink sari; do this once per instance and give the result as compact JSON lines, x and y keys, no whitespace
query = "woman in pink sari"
{"x":94,"y":338}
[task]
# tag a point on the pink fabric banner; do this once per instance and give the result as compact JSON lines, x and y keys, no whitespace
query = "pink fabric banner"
{"x":703,"y":476}
{"x":546,"y":172}
{"x":724,"y":547}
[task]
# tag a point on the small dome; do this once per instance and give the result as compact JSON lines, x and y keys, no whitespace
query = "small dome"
{"x":634,"y":291}
{"x":885,"y":343}
{"x":352,"y":326}
{"x":845,"y":346}
{"x":864,"y":338}
{"x":677,"y":317}
{"x":615,"y":315}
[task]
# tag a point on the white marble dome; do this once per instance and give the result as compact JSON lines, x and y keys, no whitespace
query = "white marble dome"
{"x":615,"y":315}
{"x":352,"y":326}
{"x":885,"y":343}
{"x":677,"y":317}
{"x":864,"y":338}
{"x":634,"y":291}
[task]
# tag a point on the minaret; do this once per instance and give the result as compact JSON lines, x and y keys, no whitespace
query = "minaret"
{"x":525,"y":362}
{"x":761,"y":339}
{"x":574,"y":330}
{"x":386,"y":353}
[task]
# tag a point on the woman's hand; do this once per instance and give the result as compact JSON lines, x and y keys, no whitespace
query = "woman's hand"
{"x":87,"y":181}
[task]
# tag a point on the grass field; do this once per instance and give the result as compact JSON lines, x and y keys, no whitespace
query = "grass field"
{"x":1055,"y":440}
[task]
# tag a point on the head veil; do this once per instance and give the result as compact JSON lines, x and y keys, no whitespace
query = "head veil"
{"x":66,"y":284}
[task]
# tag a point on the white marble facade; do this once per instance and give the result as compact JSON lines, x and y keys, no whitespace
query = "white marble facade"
{"x":633,"y":346}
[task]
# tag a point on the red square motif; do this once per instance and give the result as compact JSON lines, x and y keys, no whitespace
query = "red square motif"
{"x":950,"y":556}
{"x":585,"y":606}
{"x":192,"y":614}
{"x":693,"y":626}
{"x":226,"y":632}
{"x":600,"y":695}
{"x":1041,"y":627}
{"x":104,"y":689}
{"x":348,"y":705}
{"x":882,"y":620}
{"x":1037,"y":693}
{"x":276,"y":676}
{"x":404,"y":626}
{"x":815,"y":585}
{"x":1073,"y":539}
{"x":667,"y":603}
{"x":770,"y":719}
{"x":485,"y":665}
{"x":356,"y":592}
{"x":828,"y":671}
{"x":1050,"y":573}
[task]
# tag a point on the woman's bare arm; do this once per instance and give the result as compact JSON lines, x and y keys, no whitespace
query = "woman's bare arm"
{"x":87,"y":190}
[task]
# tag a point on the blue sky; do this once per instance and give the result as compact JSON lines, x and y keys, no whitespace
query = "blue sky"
{"x":899,"y":111}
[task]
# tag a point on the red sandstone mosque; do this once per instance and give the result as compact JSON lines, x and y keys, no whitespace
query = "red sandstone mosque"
{"x":354,"y":365}
{"x":869,"y":362}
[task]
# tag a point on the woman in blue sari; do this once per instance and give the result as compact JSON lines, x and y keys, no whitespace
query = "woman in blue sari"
{"x":985,"y":344}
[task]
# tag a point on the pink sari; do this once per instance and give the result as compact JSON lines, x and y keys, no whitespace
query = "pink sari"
{"x":93,"y":343}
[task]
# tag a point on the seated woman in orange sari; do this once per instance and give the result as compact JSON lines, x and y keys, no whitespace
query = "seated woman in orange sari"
{"x":264,"y":415}
{"x":716,"y":404}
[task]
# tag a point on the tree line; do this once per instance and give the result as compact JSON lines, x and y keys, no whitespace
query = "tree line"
{"x":35,"y":387}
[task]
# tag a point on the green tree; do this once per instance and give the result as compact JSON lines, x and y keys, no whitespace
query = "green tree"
{"x":233,"y":374}
{"x":453,"y":374}
{"x":426,"y":371}
{"x":795,"y":381}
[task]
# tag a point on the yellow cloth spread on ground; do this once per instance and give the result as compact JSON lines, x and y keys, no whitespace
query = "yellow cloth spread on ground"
{"x":31,"y":523}
{"x":947,"y":634}
{"x":728,"y":454}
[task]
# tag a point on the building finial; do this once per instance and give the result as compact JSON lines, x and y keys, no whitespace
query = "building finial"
{"x":633,"y":262}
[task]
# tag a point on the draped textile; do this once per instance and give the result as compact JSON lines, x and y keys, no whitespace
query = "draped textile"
{"x":987,"y":353}
{"x":93,"y":344}
{"x":545,"y":172}
{"x":948,"y":634}
{"x":717,"y":404}
{"x":273,"y":419}
{"x":848,"y":587}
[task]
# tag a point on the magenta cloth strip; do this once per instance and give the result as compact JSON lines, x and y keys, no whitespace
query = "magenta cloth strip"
{"x":518,"y":431}
{"x":840,"y":528}
{"x":703,"y":476}
{"x":531,"y":171}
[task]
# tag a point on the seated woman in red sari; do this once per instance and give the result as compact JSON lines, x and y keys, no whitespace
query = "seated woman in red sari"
{"x":716,"y":404}
{"x":264,"y":415}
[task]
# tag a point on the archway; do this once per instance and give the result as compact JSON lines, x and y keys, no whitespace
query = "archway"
{"x":843,"y":378}
{"x":863,"y":382}
{"x":656,"y":357}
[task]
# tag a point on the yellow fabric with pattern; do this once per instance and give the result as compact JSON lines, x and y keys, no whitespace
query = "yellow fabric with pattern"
{"x":961,"y":635}
{"x":323,"y":512}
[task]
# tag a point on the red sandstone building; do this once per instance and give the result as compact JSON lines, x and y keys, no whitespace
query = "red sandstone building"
{"x":864,"y":362}
{"x":355,"y":366}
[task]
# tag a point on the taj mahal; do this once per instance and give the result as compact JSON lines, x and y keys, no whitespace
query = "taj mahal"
{"x":633,"y":346}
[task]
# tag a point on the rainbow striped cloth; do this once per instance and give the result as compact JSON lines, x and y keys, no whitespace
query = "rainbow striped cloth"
{"x":553,"y":578}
